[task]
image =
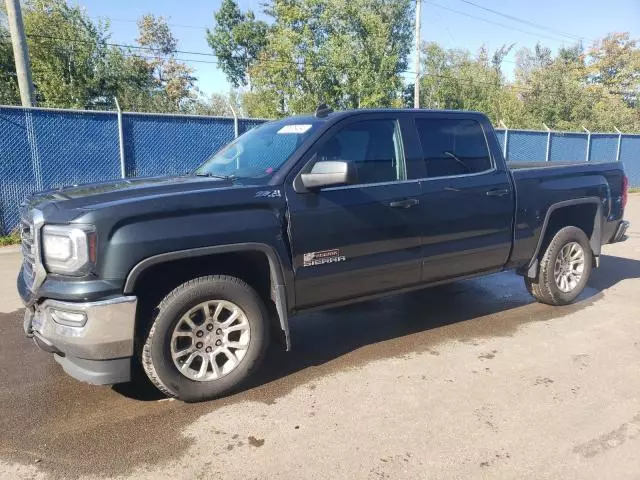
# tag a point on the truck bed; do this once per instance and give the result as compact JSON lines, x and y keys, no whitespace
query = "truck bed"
{"x":543,"y":164}
{"x":539,"y":185}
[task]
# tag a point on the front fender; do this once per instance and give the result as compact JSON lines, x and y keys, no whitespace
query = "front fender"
{"x":278,"y":281}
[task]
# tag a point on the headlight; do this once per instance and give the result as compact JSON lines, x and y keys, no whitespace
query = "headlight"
{"x":68,"y":249}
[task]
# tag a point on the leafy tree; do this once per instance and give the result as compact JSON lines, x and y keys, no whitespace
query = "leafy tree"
{"x":8,"y":83}
{"x":172,"y":82}
{"x":454,"y":79}
{"x":66,"y":48}
{"x":577,"y":89}
{"x":236,"y":39}
{"x":555,"y":95}
{"x":615,"y":63}
{"x":348,"y":53}
{"x":74,"y":66}
{"x":528,"y":60}
{"x":218,"y":105}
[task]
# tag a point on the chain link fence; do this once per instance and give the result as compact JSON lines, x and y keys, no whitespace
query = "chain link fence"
{"x":46,"y":148}
{"x":554,"y":146}
{"x":169,"y":144}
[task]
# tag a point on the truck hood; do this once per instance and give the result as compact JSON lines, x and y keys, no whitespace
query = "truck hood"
{"x":93,"y":196}
{"x":149,"y":196}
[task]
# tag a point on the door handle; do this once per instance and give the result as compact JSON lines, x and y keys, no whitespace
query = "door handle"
{"x":405,"y":203}
{"x":497,"y":192}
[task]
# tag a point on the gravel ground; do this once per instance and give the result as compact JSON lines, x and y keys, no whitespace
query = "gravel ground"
{"x":471,"y":379}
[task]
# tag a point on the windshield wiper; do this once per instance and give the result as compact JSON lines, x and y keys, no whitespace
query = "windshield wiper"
{"x":213,"y":175}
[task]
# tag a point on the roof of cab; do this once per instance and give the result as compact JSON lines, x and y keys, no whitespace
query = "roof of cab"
{"x":332,"y":116}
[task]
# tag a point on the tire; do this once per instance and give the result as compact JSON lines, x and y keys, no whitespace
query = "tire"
{"x":190,"y":301}
{"x":545,"y":288}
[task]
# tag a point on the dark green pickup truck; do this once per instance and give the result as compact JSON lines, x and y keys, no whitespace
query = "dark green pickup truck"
{"x":190,"y":277}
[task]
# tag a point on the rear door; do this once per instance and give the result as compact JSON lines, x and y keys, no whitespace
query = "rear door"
{"x":467,"y":200}
{"x":354,"y":240}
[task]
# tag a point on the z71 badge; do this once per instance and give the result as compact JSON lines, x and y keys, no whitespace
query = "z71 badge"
{"x":268,"y":194}
{"x":320,"y":258}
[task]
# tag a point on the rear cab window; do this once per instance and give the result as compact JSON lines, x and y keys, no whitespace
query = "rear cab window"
{"x":453,"y":146}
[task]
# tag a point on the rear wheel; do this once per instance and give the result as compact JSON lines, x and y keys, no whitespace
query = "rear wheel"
{"x":564,"y":268}
{"x":208,"y":337}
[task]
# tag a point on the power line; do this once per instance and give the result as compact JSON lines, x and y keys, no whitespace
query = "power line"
{"x":469,"y":81}
{"x":527,"y":22}
{"x":150,"y":56}
{"x":119,"y":45}
{"x":176,"y":25}
{"x":497,"y":23}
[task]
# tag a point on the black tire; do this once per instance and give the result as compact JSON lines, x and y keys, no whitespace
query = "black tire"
{"x":156,"y":352}
{"x":544,"y":287}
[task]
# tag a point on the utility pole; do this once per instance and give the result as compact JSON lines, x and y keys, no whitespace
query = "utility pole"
{"x":416,"y":91}
{"x":20,"y":52}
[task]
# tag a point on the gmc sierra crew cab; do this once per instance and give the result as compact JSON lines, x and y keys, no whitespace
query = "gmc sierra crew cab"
{"x":188,"y":278}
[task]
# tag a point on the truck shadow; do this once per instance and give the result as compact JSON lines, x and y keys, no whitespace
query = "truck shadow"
{"x":413,"y":323}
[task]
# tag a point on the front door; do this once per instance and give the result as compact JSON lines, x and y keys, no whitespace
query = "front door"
{"x":355,"y":240}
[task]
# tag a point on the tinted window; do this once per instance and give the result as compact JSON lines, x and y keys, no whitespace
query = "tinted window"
{"x":373,"y":146}
{"x":453,"y":147}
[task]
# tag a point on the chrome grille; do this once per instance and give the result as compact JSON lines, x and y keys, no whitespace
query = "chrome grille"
{"x":28,"y":253}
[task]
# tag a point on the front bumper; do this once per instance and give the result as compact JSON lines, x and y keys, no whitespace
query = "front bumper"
{"x":97,"y":352}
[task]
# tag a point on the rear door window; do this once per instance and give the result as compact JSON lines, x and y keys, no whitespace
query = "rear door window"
{"x":453,"y":147}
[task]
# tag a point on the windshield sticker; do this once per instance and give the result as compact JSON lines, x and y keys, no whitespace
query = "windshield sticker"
{"x":296,"y":129}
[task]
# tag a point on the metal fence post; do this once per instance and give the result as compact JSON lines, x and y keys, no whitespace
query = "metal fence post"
{"x":123,"y":172}
{"x":506,"y":139}
{"x":36,"y":164}
{"x":236,"y":129}
{"x":547,"y":155}
{"x":619,"y":144}
{"x":586,"y":158}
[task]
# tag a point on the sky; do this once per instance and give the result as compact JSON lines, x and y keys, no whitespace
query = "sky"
{"x":452,"y":23}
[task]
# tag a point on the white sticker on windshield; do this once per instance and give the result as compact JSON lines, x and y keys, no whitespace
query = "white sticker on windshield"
{"x":297,"y":129}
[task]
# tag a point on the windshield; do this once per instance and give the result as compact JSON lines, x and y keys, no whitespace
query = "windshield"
{"x":258,"y":153}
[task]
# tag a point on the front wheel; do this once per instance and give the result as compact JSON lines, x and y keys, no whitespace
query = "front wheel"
{"x":564,"y":269}
{"x":208,"y":337}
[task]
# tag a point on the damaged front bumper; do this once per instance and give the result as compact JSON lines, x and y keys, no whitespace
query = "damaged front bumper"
{"x":93,"y":341}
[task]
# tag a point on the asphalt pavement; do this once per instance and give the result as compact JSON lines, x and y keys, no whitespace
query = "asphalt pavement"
{"x":471,"y":379}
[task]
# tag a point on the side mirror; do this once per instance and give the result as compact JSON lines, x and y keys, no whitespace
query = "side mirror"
{"x":328,"y":174}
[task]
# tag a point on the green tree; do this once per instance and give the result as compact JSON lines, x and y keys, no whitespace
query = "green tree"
{"x":614,"y":62}
{"x":219,"y":105}
{"x":236,"y":39}
{"x":454,"y":79}
{"x":555,"y":94}
{"x":8,"y":84}
{"x":172,"y":82}
{"x":75,"y":66}
{"x":347,"y":53}
{"x":528,"y":61}
{"x":66,"y":48}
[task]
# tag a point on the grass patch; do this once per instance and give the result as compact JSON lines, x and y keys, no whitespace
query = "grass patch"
{"x":634,"y":190}
{"x":12,"y":239}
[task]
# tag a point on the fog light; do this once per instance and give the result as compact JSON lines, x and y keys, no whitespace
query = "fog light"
{"x":70,"y":319}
